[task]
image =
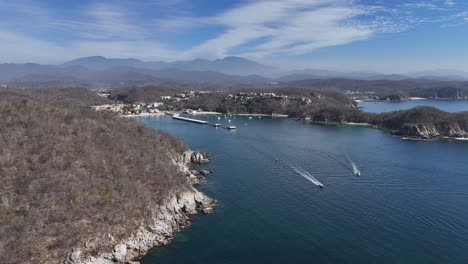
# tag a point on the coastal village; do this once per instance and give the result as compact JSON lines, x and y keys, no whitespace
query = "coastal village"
{"x":158,"y":107}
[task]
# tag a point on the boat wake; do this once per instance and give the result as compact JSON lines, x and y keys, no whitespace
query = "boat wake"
{"x":356,"y":170}
{"x":306,"y":175}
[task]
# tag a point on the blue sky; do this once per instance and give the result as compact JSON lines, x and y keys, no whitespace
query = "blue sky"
{"x":379,"y":35}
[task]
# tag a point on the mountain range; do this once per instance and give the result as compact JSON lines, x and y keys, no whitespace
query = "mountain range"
{"x":228,"y":65}
{"x":98,"y":69}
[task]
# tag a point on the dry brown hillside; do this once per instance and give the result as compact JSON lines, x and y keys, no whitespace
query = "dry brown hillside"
{"x":68,"y":174}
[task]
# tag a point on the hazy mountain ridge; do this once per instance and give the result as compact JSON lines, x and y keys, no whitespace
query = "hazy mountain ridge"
{"x":98,"y":69}
{"x":228,"y":65}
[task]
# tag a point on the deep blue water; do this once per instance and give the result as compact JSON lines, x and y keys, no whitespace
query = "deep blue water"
{"x":410,"y":205}
{"x":446,"y":105}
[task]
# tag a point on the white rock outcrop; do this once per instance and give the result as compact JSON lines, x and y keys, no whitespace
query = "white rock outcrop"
{"x":173,"y":215}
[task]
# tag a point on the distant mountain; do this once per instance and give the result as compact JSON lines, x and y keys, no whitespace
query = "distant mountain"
{"x":228,"y":65}
{"x":34,"y":76}
{"x":10,"y":71}
{"x":344,"y":84}
{"x":324,"y":74}
{"x":241,"y":66}
{"x":441,"y":75}
{"x":229,"y":70}
{"x":102,"y":63}
{"x":391,"y":77}
{"x":207,"y":76}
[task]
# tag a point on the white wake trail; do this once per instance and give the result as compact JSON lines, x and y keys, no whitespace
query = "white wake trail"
{"x":306,"y":175}
{"x":356,"y":170}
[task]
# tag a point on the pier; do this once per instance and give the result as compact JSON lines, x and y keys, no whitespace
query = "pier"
{"x":176,"y":116}
{"x":202,"y":122}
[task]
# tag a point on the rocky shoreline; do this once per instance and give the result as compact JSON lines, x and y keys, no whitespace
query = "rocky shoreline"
{"x":415,"y":131}
{"x":433,"y":131}
{"x":170,"y":217}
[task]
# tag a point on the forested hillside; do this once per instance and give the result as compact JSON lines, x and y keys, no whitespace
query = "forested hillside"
{"x":70,"y":177}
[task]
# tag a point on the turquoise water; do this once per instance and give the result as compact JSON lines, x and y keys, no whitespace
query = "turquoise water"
{"x":446,"y":105}
{"x":410,"y":204}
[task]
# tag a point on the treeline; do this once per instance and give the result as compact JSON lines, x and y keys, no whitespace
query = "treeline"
{"x":397,"y":121}
{"x":411,"y":122}
{"x":296,"y":104}
{"x":334,"y":107}
{"x":153,"y":93}
{"x":393,"y":90}
{"x":66,"y":96}
{"x":142,"y":94}
{"x":450,"y":92}
{"x":74,"y":96}
{"x":71,"y":176}
{"x":389,"y":89}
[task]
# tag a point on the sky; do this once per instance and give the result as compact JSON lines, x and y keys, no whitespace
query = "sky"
{"x":360,"y":35}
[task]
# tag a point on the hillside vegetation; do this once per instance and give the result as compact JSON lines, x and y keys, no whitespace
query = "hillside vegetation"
{"x":424,"y":121}
{"x":294,"y":103}
{"x":70,"y":177}
{"x":75,"y":96}
{"x":334,"y":107}
{"x":391,"y":89}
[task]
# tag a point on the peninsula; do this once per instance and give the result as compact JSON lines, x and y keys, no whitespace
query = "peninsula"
{"x":80,"y":186}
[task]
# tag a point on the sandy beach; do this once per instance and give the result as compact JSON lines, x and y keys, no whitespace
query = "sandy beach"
{"x":144,"y":114}
{"x":206,"y":113}
{"x":357,"y":124}
{"x":260,"y":115}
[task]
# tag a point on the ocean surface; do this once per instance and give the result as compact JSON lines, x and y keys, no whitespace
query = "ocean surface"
{"x":446,"y":105}
{"x":409,"y":205}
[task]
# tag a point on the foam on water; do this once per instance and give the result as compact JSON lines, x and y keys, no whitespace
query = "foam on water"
{"x":356,"y":171}
{"x":306,"y":175}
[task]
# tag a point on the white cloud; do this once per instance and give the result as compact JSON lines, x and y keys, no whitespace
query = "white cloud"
{"x":425,"y":5}
{"x":285,"y":27}
{"x":108,"y":21}
{"x":449,"y":2}
{"x":255,"y":29}
{"x":435,"y":5}
{"x":18,"y":48}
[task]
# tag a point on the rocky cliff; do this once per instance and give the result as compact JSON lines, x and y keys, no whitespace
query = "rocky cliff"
{"x":429,"y":131}
{"x":171,"y":216}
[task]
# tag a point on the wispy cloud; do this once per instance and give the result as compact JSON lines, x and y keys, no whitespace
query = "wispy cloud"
{"x":284,"y":27}
{"x":108,"y":21}
{"x":255,"y":29}
{"x":449,"y":2}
